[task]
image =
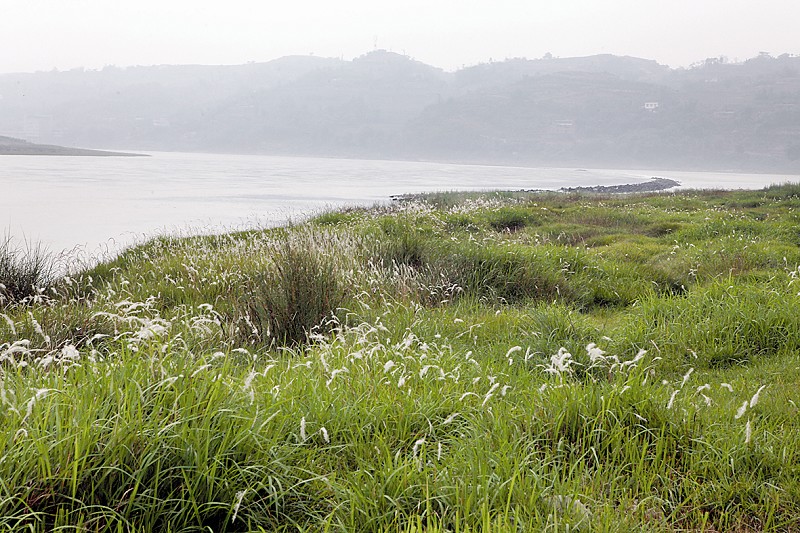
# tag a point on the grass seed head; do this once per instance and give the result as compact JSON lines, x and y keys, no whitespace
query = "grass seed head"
{"x":755,"y":398}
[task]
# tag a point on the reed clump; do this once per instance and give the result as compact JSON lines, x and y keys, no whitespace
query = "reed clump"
{"x":305,"y":281}
{"x":25,"y":272}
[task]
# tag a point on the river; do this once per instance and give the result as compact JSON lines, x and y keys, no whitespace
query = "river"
{"x":96,"y":206}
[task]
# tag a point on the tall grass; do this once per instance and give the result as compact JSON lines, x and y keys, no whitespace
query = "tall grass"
{"x":305,"y":282}
{"x":420,"y":368}
{"x":24,"y":272}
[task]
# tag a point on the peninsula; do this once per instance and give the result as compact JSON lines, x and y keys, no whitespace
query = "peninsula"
{"x":14,"y":146}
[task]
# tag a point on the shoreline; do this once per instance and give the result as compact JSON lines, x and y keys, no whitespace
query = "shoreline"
{"x":655,"y":184}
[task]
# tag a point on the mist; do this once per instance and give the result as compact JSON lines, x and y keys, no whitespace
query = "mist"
{"x":600,"y":110}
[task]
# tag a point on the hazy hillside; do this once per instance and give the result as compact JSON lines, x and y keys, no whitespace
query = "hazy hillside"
{"x":353,"y":108}
{"x":601,"y":110}
{"x":511,"y":70}
{"x":137,"y":107}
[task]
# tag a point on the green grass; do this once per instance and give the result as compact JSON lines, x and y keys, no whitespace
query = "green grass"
{"x":461,"y":362}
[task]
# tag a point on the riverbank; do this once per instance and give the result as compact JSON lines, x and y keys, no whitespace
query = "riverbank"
{"x":137,"y":198}
{"x":655,"y":184}
{"x":475,"y":362}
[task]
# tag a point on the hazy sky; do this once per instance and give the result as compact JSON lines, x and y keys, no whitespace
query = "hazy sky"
{"x":63,"y":34}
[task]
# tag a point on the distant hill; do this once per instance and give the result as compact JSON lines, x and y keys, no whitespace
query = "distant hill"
{"x":357,"y":108}
{"x":599,"y":110}
{"x":13,"y":146}
{"x":714,"y":116}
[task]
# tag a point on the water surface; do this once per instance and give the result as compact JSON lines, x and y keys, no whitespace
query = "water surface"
{"x":102,"y":204}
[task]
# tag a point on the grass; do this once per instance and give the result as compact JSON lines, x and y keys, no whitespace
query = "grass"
{"x":304,"y":284}
{"x":24,"y":272}
{"x":459,"y":362}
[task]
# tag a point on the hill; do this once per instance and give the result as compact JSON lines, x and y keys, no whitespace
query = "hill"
{"x":600,"y":110}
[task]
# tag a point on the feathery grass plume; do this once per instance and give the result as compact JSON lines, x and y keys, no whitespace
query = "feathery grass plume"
{"x":740,"y":412}
{"x":11,"y":324}
{"x":417,"y":444}
{"x":672,"y":398}
{"x":37,"y":327}
{"x":686,"y":376}
{"x":237,"y":504}
{"x":754,"y":399}
{"x":489,"y":394}
{"x":561,"y":363}
{"x":335,"y":373}
{"x":567,"y":507}
{"x":513,"y":350}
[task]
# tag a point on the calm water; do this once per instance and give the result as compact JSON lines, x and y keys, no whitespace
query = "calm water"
{"x":101,"y":204}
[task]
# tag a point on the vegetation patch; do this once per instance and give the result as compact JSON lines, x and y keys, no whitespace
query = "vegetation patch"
{"x":458,"y":362}
{"x":25,"y":272}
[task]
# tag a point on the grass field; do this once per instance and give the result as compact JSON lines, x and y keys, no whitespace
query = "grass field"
{"x":464,"y":362}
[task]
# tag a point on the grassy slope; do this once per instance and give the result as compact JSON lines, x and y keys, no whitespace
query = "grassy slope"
{"x":486,"y":363}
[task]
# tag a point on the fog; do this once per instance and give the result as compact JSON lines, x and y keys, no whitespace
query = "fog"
{"x":596,"y":111}
{"x":449,"y":34}
{"x":709,"y":86}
